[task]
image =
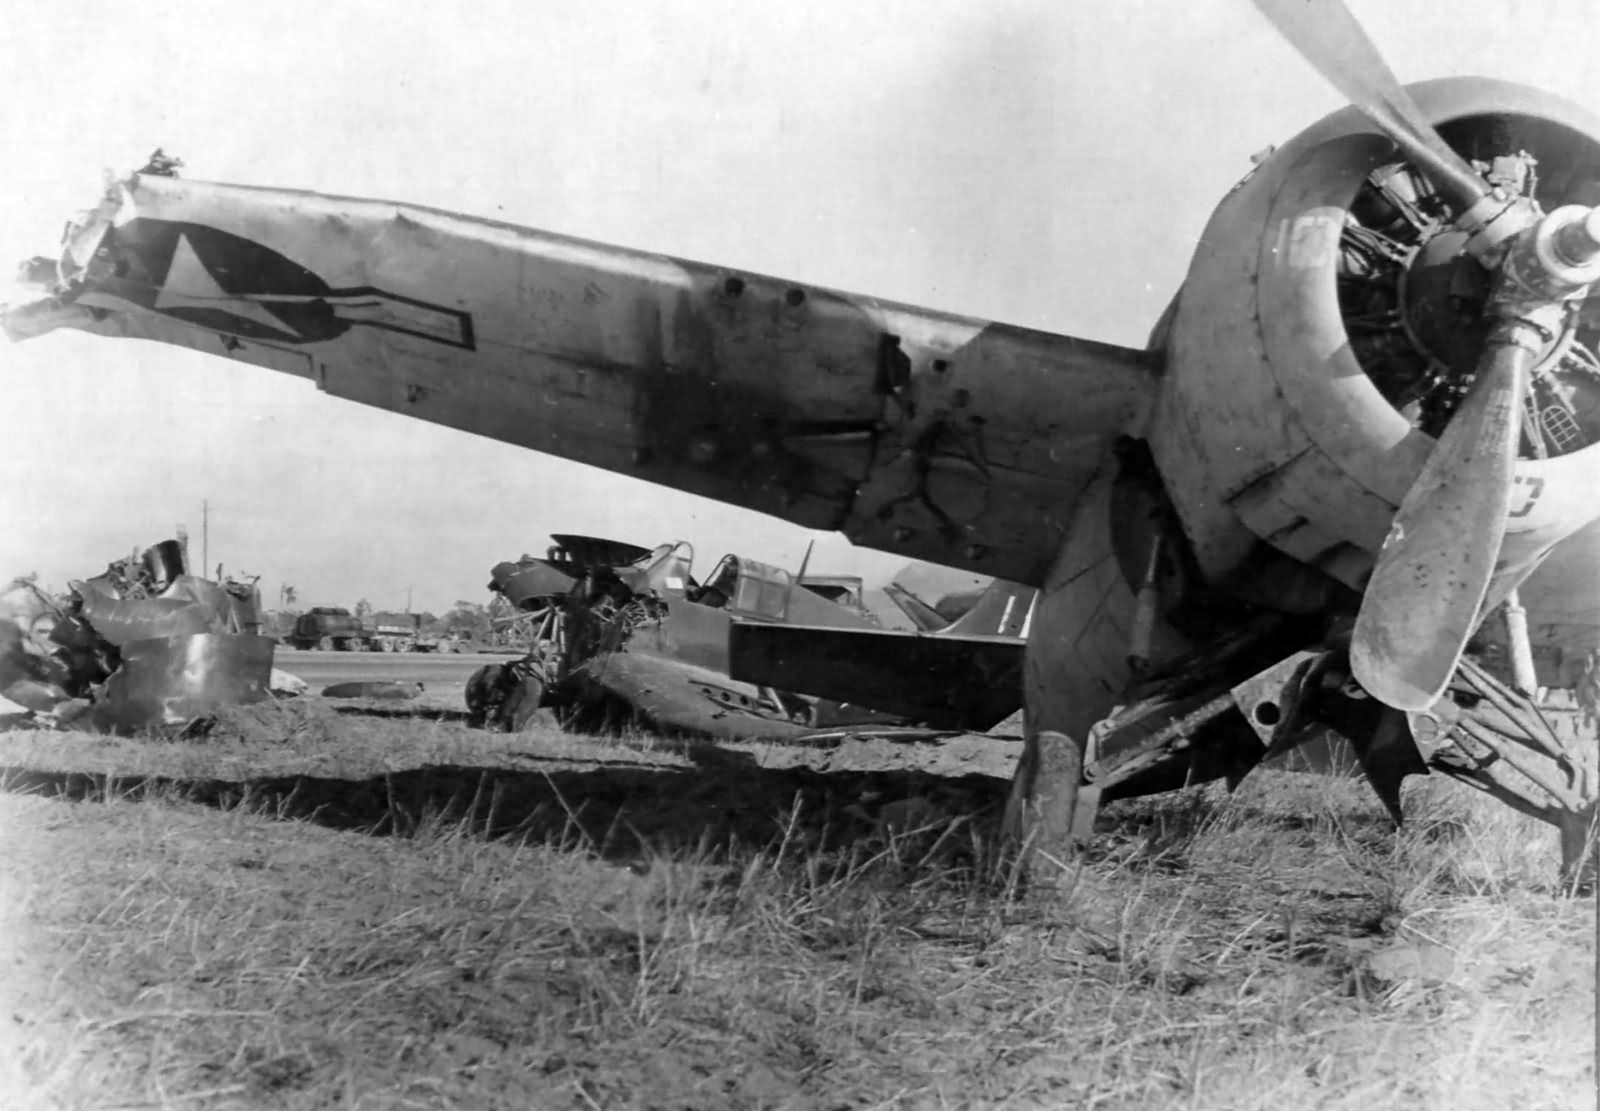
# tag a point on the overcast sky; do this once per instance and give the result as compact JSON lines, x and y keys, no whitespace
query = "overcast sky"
{"x":1043,"y":163}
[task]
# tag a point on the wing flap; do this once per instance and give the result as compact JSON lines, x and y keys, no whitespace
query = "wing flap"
{"x":936,"y":436}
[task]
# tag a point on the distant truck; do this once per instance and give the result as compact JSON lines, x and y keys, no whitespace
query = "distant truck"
{"x":332,"y":629}
{"x":336,"y":629}
{"x":401,"y":632}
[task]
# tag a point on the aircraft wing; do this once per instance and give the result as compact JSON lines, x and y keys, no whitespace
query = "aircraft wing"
{"x":678,"y":697}
{"x":946,"y":681}
{"x":940,"y":437}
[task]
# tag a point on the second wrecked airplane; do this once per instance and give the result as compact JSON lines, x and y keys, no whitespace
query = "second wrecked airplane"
{"x":617,"y":625}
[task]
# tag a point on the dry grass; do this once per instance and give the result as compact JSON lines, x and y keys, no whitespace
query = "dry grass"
{"x":643,"y":933}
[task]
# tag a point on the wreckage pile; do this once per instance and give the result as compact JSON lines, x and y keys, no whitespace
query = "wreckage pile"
{"x":144,"y":645}
{"x":583,"y":598}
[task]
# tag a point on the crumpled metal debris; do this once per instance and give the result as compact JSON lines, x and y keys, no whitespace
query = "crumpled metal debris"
{"x":144,"y":645}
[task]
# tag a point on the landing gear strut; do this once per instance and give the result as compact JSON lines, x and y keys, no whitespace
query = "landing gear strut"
{"x":1537,"y":758}
{"x":1198,"y":722}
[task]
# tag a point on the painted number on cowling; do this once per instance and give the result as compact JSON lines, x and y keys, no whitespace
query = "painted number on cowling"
{"x":1525,"y":491}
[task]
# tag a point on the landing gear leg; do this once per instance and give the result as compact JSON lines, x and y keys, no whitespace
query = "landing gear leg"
{"x":1538,"y":760}
{"x":1043,"y":803}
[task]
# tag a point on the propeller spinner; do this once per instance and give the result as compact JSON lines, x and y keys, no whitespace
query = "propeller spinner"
{"x":1435,"y":568}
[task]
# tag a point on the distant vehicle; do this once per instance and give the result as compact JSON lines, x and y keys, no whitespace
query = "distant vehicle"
{"x":462,"y":642}
{"x":331,"y":629}
{"x":336,"y":629}
{"x":401,"y":632}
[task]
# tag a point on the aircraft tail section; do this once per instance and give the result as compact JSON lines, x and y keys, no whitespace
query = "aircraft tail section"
{"x":1005,"y":609}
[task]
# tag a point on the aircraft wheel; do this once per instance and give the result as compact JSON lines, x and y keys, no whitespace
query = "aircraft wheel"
{"x":523,"y":706}
{"x":479,"y":695}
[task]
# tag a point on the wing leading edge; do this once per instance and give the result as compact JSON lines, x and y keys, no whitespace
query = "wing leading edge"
{"x":938,"y":437}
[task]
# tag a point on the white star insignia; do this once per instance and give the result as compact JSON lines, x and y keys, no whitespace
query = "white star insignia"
{"x":189,"y":285}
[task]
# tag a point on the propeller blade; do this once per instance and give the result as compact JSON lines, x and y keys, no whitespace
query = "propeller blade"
{"x":1327,"y":35}
{"x":1422,"y":601}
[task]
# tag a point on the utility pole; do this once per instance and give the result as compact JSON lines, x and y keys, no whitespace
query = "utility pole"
{"x":205,"y":538}
{"x":408,"y":599}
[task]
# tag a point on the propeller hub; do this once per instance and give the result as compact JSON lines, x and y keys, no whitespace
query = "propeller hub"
{"x":1577,"y":244}
{"x":1548,"y":268}
{"x":1559,"y":258}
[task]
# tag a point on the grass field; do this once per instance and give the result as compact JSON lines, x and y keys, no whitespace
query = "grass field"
{"x":306,"y":909}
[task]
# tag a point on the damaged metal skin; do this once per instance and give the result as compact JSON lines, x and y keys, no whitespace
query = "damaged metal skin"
{"x":171,"y":681}
{"x":142,"y":646}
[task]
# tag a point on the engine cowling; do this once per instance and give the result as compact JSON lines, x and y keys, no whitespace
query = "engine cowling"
{"x":1329,"y":322}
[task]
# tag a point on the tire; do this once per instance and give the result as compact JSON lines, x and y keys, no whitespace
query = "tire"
{"x":523,"y":705}
{"x":477,"y":697}
{"x":326,"y":644}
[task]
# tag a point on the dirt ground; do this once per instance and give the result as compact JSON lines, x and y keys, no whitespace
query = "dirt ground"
{"x":363,"y":905}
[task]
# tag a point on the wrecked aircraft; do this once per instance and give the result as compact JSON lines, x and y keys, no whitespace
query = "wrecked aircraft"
{"x":615,"y":624}
{"x":143,"y":645}
{"x":1366,"y":427}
